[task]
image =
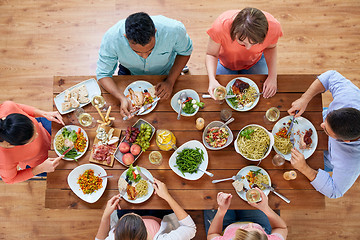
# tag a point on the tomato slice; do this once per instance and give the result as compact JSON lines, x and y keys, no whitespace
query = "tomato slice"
{"x":134,"y":175}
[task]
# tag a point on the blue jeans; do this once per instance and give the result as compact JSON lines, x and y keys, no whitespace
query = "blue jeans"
{"x":259,"y":68}
{"x":233,"y":216}
{"x":123,"y":70}
{"x":46,"y":123}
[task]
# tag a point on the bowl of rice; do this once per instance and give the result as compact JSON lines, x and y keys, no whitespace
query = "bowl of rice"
{"x":254,"y":142}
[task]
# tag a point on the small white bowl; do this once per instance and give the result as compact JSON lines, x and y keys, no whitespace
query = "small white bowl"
{"x":190,"y":93}
{"x":269,"y":148}
{"x":217,"y":124}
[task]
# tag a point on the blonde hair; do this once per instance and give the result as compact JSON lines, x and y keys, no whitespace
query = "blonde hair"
{"x":242,"y":234}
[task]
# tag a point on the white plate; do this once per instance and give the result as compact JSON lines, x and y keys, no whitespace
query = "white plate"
{"x":92,"y":88}
{"x":217,"y":124}
{"x":190,"y":93}
{"x":70,"y":128}
{"x":150,"y":187}
{"x":252,"y":84}
{"x":75,"y":187}
{"x":270,"y":145}
{"x":243,"y":172}
{"x":193,"y":144}
{"x":140,"y":86}
{"x":300,"y":125}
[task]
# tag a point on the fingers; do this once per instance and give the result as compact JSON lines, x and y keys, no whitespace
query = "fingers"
{"x":59,"y":118}
{"x":211,"y":92}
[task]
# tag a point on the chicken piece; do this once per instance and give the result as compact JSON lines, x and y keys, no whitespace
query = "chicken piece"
{"x":68,"y":143}
{"x":239,"y":86}
{"x":131,"y":192}
{"x":137,"y":97}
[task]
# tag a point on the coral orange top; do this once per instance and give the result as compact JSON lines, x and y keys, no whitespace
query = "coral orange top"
{"x":31,"y":154}
{"x":234,"y":56}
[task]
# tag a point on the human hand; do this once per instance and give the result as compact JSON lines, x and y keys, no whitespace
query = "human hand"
{"x":212,"y":85}
{"x":50,"y":164}
{"x":161,"y":189}
{"x":224,"y":201}
{"x":298,"y":160}
{"x":125,"y":107}
{"x":263,"y":204}
{"x":298,"y":105}
{"x":270,"y":87}
{"x":164,"y":89}
{"x":53,"y":117}
{"x":112,"y":205}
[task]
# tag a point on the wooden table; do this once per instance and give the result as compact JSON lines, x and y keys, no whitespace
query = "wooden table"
{"x":200,"y":194}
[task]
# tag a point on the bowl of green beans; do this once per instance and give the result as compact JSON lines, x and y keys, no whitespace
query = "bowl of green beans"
{"x":186,"y":160}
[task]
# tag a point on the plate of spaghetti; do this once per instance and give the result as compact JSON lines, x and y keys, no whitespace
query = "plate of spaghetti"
{"x":305,"y":137}
{"x":246,"y":92}
{"x":86,"y":183}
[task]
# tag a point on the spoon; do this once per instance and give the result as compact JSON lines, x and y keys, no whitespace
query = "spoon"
{"x":182,"y":98}
{"x":206,"y":172}
{"x":228,"y":121}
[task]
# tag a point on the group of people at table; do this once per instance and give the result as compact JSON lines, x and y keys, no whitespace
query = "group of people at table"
{"x":240,"y":42}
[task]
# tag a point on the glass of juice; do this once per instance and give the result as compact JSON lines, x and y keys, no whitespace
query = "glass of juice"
{"x":165,"y":140}
{"x":155,"y":158}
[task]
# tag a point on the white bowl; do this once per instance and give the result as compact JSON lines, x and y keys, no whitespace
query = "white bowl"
{"x":190,"y":93}
{"x":217,"y":124}
{"x":269,"y":148}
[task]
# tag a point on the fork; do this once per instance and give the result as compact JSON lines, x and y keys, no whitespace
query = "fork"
{"x":122,"y":193}
{"x":236,"y":177}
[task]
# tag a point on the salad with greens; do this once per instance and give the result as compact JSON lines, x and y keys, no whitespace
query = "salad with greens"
{"x":133,"y":174}
{"x":190,"y":105}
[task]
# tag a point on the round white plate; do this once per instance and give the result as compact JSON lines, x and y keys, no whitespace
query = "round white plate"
{"x":75,"y":187}
{"x":270,"y":145}
{"x":300,"y":125}
{"x":70,"y":128}
{"x":190,"y":93}
{"x":217,"y":124}
{"x":193,"y":144}
{"x":150,"y":187}
{"x":252,"y":84}
{"x":140,"y":86}
{"x":243,"y":172}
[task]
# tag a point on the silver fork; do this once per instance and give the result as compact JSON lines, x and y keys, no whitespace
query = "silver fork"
{"x":234,"y":178}
{"x":122,"y":193}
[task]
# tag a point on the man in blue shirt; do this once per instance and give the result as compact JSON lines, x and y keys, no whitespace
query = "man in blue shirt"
{"x":143,"y":45}
{"x":342,"y":125}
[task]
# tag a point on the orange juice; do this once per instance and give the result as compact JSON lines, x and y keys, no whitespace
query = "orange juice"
{"x":165,"y":139}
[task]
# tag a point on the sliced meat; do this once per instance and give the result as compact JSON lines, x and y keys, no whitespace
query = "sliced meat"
{"x":239,"y":86}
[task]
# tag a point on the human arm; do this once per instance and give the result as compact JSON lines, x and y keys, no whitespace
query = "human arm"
{"x":164,"y":89}
{"x":211,"y":60}
{"x":298,"y":162}
{"x":104,"y":227}
{"x":278,"y":225}
{"x":49,"y":165}
{"x":51,"y":116}
{"x":224,"y":200}
{"x":270,"y":84}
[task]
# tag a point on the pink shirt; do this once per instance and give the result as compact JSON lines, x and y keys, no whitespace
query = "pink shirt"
{"x":234,"y":56}
{"x":152,"y":225}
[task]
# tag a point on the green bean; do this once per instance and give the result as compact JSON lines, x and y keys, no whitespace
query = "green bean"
{"x":189,"y":159}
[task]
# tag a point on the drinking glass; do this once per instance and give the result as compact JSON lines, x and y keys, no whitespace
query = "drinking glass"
{"x":290,"y":175}
{"x":272,"y":115}
{"x":278,"y":160}
{"x":99,"y":101}
{"x":84,"y":118}
{"x":155,"y":158}
{"x":225,"y":114}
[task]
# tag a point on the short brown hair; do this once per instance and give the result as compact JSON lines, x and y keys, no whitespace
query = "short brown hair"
{"x":250,"y":23}
{"x":242,"y":234}
{"x":130,"y":227}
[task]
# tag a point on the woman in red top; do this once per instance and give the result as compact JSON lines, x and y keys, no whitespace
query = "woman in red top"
{"x":24,"y":142}
{"x":245,"y":43}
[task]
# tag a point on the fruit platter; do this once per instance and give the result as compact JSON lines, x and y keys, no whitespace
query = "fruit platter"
{"x":136,"y":141}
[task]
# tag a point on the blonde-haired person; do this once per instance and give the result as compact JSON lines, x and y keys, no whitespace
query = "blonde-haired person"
{"x":131,"y":226}
{"x":240,"y":224}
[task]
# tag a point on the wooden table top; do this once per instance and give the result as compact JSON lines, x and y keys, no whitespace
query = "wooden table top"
{"x":200,"y":194}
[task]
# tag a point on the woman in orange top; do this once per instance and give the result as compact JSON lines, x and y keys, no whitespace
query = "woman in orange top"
{"x":245,"y":43}
{"x":24,"y":141}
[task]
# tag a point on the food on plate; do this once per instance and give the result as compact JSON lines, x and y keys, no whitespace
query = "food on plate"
{"x":253,"y":142}
{"x":105,"y":120}
{"x":200,"y":123}
{"x":256,"y":178}
{"x":74,"y":96}
{"x":74,"y":102}
{"x":216,"y":137}
{"x":131,"y":192}
{"x":165,"y":139}
{"x":65,"y":106}
{"x":122,"y":184}
{"x":80,"y":143}
{"x":305,"y":139}
{"x":253,"y":196}
{"x":124,"y":147}
{"x":245,"y":94}
{"x":141,"y":98}
{"x":128,"y":158}
{"x":131,"y":134}
{"x":190,"y":105}
{"x":88,"y":182}
{"x":68,"y":140}
{"x":133,"y":179}
{"x":59,"y":142}
{"x":282,"y":141}
{"x":104,"y":146}
{"x":103,"y":152}
{"x":238,"y":185}
{"x":135,"y":149}
{"x":189,"y":159}
{"x":141,"y":188}
{"x":143,"y":138}
{"x":132,"y":174}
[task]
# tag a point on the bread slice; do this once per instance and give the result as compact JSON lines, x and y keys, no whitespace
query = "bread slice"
{"x":74,"y":102}
{"x":67,"y":96}
{"x":83,"y":91}
{"x":151,"y":90}
{"x":74,"y":93}
{"x":239,"y":186}
{"x":83,"y":99}
{"x":65,"y":106}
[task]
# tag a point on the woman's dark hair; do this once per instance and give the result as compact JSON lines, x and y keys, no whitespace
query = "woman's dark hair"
{"x":250,"y":23}
{"x":345,"y":123}
{"x":139,"y":28}
{"x":130,"y":227}
{"x":16,"y":129}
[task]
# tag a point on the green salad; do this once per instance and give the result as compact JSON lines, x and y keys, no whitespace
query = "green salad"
{"x":188,"y":160}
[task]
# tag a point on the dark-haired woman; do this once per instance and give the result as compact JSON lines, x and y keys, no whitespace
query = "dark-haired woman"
{"x":176,"y":226}
{"x":24,"y":141}
{"x":243,"y":42}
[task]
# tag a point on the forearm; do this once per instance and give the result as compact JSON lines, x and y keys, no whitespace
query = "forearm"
{"x":175,"y":71}
{"x":315,"y":88}
{"x":309,"y":172}
{"x":178,"y":210}
{"x":104,"y":227}
{"x":216,"y":224}
{"x":275,"y":220}
{"x":270,"y":55}
{"x":109,"y":84}
{"x":211,"y":65}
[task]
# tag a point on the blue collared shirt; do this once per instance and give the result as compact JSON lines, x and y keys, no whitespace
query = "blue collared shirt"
{"x":344,"y":157}
{"x":171,"y":40}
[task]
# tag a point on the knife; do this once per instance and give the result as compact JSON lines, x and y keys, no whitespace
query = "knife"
{"x":276,"y":193}
{"x":145,"y":177}
{"x":290,"y":128}
{"x":142,"y":109}
{"x":226,"y":97}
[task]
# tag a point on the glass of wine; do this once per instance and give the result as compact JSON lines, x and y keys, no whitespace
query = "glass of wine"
{"x":85,"y":119}
{"x":272,"y":115}
{"x":99,"y":101}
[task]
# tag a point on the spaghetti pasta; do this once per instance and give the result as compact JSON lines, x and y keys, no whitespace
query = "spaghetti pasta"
{"x":255,"y":145}
{"x":59,"y":142}
{"x":283,"y":144}
{"x":141,"y":188}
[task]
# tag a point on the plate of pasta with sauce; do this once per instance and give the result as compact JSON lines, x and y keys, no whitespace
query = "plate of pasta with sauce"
{"x":305,"y":137}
